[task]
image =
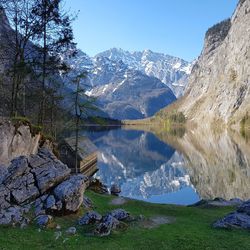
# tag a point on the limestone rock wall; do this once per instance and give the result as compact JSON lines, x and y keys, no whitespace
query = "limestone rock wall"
{"x":219,"y":85}
{"x":16,"y":141}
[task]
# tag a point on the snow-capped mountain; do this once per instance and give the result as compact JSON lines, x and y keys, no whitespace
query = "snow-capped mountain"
{"x":172,"y":71}
{"x":132,"y":85}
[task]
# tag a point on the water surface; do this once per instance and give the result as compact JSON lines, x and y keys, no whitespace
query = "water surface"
{"x":148,"y":168}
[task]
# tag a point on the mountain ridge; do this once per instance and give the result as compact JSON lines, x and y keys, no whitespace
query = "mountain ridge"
{"x":124,"y":89}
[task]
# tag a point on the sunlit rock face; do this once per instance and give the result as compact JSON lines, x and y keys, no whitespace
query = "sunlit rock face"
{"x":16,"y":141}
{"x":218,"y":164}
{"x":220,"y":80}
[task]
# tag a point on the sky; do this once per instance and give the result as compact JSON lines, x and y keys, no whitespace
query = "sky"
{"x":174,"y":27}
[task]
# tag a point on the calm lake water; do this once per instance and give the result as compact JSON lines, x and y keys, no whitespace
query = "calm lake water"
{"x":150,"y":168}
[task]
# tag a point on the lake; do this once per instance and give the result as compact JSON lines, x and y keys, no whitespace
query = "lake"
{"x":173,"y":170}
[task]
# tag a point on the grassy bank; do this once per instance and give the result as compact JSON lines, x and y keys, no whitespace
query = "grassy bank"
{"x":191,"y":230}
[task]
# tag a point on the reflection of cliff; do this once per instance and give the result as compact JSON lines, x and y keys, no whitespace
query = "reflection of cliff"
{"x":218,"y":164}
{"x":140,"y":163}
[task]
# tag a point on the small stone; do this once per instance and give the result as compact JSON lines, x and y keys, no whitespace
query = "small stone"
{"x":71,"y":231}
{"x":120,"y":214}
{"x":115,"y":189}
{"x":24,"y":223}
{"x":108,"y":223}
{"x":58,"y":227}
{"x":90,"y":218}
{"x":43,"y":220}
{"x":97,"y":186}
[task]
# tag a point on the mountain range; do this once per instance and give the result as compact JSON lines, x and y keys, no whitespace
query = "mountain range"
{"x":132,"y":85}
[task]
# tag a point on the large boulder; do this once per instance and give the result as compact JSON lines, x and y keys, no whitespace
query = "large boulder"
{"x":237,"y":219}
{"x":70,"y":192}
{"x":30,"y":177}
{"x":43,"y":181}
{"x":244,"y":208}
{"x":234,"y":220}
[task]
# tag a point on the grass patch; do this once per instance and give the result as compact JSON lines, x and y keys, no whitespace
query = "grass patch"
{"x":191,"y":230}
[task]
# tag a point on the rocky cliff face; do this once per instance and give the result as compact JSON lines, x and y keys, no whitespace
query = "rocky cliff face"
{"x":219,"y":85}
{"x":170,"y":70}
{"x":16,"y":141}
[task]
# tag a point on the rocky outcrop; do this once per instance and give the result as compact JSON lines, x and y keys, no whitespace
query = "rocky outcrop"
{"x":106,"y":223}
{"x":219,"y":85}
{"x":90,"y":217}
{"x":16,"y":141}
{"x":41,"y":181}
{"x":238,"y":219}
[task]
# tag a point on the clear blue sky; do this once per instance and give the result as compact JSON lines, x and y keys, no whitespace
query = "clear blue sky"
{"x":175,"y":27}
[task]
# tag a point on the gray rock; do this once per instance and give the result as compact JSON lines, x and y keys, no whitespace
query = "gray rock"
{"x":39,"y":211}
{"x":50,"y":175}
{"x":50,"y":203}
{"x":244,"y":208}
{"x":234,"y":220}
{"x":59,"y":205}
{"x":24,"y":189}
{"x":16,"y":141}
{"x":4,"y":197}
{"x":43,"y":220}
{"x":24,"y":223}
{"x":90,"y":218}
{"x":115,"y":189}
{"x":70,"y":192}
{"x":87,"y":203}
{"x":120,"y":214}
{"x":105,"y":227}
{"x":71,"y":231}
{"x":11,"y":216}
{"x":219,"y":86}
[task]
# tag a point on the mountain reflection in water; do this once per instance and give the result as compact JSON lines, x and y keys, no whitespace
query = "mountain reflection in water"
{"x":194,"y":167}
{"x":145,"y":167}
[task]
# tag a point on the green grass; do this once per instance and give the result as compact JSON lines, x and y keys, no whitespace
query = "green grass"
{"x":191,"y":230}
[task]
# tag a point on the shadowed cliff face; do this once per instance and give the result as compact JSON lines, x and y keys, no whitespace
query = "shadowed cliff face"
{"x":218,"y":164}
{"x":219,"y":85}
